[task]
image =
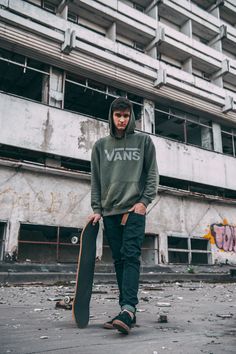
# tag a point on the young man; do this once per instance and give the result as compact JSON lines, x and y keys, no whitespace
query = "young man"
{"x":124,"y":182}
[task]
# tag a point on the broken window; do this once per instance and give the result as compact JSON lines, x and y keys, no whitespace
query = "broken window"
{"x":48,"y":244}
{"x":75,"y":164}
{"x":228,"y":141}
{"x":2,"y":239}
{"x":49,"y":6}
{"x":197,"y":187}
{"x":186,"y":250}
{"x":200,"y":251}
{"x":45,"y":159}
{"x":21,"y":76}
{"x":73,"y":17}
{"x":94,"y":98}
{"x":182,"y":126}
{"x":149,"y":254}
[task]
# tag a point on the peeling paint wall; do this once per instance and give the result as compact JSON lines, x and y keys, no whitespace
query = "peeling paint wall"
{"x":54,"y":131}
{"x":44,"y":199}
{"x":47,"y":129}
{"x":41,"y":199}
{"x":194,"y":218}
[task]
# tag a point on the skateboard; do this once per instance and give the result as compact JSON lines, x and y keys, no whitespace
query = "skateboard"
{"x":85,"y":274}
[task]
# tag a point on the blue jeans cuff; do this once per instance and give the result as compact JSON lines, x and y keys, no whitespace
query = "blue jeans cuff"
{"x":128,"y":308}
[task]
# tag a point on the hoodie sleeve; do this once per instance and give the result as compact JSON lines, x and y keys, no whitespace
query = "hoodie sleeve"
{"x":152,"y":175}
{"x":95,"y":181}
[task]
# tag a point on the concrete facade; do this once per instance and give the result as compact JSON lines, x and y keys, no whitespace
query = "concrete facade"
{"x":176,"y":60}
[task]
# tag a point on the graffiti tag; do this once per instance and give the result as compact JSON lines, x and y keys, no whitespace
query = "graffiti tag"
{"x":225,"y":236}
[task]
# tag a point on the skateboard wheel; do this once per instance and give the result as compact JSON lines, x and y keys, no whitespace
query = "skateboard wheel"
{"x":74,"y":240}
{"x":67,"y":300}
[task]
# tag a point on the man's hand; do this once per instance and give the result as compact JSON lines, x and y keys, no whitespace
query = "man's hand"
{"x":139,"y":208}
{"x":95,"y":218}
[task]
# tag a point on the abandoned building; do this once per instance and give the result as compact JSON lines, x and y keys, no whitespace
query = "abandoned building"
{"x":62,"y":62}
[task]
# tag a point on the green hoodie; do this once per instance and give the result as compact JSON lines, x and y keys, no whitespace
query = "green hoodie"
{"x":124,"y":171}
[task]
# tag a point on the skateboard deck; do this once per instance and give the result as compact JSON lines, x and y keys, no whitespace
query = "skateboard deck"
{"x":85,"y":274}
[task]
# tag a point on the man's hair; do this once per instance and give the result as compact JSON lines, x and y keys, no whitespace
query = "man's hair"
{"x":120,"y":104}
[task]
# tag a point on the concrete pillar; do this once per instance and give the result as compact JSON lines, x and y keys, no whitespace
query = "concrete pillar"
{"x":56,"y":88}
{"x":62,"y":9}
{"x":188,"y":66}
{"x":45,"y":89}
{"x":111,"y":32}
{"x":187,"y":30}
{"x":148,"y":116}
{"x":217,"y":44}
{"x":163,"y":248}
{"x":206,"y":138}
{"x":152,"y":11}
{"x":12,"y":232}
{"x":217,"y":137}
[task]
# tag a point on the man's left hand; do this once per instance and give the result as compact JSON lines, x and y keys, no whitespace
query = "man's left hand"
{"x":139,"y":208}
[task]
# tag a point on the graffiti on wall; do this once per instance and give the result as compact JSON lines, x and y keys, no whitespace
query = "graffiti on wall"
{"x":223,"y":236}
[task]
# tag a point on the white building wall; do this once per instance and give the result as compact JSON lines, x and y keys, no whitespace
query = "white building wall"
{"x":47,"y":197}
{"x":173,"y":51}
{"x":47,"y":129}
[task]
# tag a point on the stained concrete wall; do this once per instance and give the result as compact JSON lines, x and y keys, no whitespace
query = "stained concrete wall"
{"x":42,"y":128}
{"x":40,"y":197}
{"x":186,"y":216}
{"x":47,"y":129}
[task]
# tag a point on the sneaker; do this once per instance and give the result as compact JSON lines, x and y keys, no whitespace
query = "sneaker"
{"x":124,"y":322}
{"x":109,"y":324}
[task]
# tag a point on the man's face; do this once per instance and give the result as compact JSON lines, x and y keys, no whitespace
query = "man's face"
{"x":121,"y":119}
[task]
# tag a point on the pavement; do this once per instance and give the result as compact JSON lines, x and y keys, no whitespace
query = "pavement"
{"x":201,"y":319}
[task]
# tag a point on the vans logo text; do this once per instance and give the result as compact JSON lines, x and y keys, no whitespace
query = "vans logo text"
{"x":122,"y":154}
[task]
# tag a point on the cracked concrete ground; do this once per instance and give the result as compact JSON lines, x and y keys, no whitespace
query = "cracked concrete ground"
{"x":201,"y":319}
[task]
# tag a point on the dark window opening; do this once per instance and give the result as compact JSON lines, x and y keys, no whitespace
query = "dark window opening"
{"x":2,"y":239}
{"x":178,"y":257}
{"x":177,"y":242}
{"x":72,"y":17}
{"x":139,"y":7}
{"x":199,"y":244}
{"x":21,"y":76}
{"x":197,"y":187}
{"x":174,"y":183}
{"x":182,"y":126}
{"x":203,"y":4}
{"x":30,"y":156}
{"x":48,"y":244}
{"x":75,"y":164}
{"x":200,"y":258}
{"x":20,"y":154}
{"x":93,"y":98}
{"x":48,"y":6}
{"x":86,"y":101}
{"x":180,"y":252}
{"x":229,"y":143}
{"x":149,"y":255}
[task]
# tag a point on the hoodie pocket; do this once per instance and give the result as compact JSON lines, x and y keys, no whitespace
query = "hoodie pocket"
{"x":121,"y":195}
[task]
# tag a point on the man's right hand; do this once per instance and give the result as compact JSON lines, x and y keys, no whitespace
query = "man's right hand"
{"x":95,"y":218}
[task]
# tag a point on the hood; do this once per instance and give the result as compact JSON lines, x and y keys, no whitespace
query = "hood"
{"x":130,"y":127}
